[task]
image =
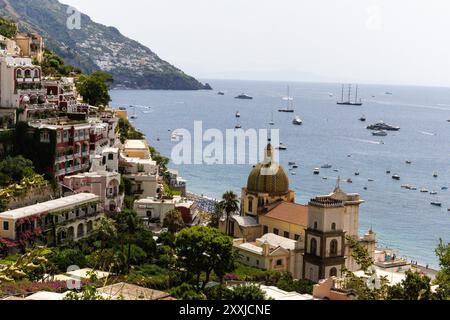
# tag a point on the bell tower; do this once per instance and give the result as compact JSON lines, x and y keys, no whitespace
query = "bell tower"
{"x":324,"y":239}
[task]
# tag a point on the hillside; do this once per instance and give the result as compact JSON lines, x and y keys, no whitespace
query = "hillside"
{"x":97,"y":47}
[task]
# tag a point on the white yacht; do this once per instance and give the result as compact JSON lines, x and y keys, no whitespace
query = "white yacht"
{"x":297,"y":121}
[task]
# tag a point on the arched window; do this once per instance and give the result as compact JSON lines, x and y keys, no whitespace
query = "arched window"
{"x":333,"y":248}
{"x":333,"y":226}
{"x":313,"y":247}
{"x":333,"y":272}
{"x":250,"y":204}
{"x":315,"y":225}
{"x":28,"y":73}
{"x":36,"y":73}
{"x":19,"y":74}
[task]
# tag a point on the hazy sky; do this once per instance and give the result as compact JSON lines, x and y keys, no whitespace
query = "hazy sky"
{"x":388,"y":41}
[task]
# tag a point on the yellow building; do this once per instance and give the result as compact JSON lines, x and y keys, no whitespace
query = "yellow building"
{"x":267,"y":205}
{"x":136,"y":149}
{"x":121,"y":114}
{"x":286,"y":219}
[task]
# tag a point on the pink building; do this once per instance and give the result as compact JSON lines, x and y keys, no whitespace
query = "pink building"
{"x":103,"y":184}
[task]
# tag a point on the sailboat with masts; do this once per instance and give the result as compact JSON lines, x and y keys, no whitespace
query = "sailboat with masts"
{"x":350,"y":101}
{"x":290,"y":102}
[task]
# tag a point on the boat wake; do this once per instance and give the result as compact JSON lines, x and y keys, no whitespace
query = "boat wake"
{"x":367,"y":141}
{"x":427,"y":133}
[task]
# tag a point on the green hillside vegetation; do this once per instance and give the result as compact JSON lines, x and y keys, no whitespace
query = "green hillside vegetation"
{"x":7,"y":28}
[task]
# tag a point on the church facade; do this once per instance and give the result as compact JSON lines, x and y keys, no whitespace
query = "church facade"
{"x":318,"y":231}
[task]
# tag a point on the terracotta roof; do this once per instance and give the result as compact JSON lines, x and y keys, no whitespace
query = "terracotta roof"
{"x":290,"y":212}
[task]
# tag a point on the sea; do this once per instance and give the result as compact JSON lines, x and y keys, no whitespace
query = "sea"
{"x":403,"y":220}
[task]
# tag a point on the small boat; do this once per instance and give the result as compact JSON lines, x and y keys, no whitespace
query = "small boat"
{"x":362,"y":119}
{"x":324,"y":178}
{"x":406,"y":186}
{"x":356,"y":173}
{"x":388,"y":172}
{"x":272,"y":121}
{"x":444,"y":188}
{"x":380,"y":133}
{"x":433,"y":193}
{"x":327,"y":166}
{"x":423,"y":190}
{"x":238,"y":114}
{"x":336,"y":170}
{"x":291,"y":163}
{"x":295,"y":167}
{"x":331,"y":95}
{"x":134,"y":115}
{"x":297,"y":121}
{"x":413,"y":188}
{"x":435,"y":175}
{"x":220,"y":93}
{"x":365,"y":188}
{"x":396,"y":177}
{"x":244,"y":96}
{"x":282,"y":146}
{"x":349,"y":180}
{"x":388,"y":93}
{"x":436,"y":203}
{"x":370,"y":180}
{"x":293,"y":173}
{"x":408,"y":162}
{"x":238,"y":126}
{"x":316,"y":171}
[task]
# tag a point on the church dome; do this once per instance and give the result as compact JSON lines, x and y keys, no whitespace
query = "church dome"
{"x":268,"y":176}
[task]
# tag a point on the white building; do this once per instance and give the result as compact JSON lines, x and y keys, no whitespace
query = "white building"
{"x":70,"y":218}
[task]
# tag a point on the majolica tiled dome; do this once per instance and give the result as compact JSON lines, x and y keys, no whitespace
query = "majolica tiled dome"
{"x":268,"y":176}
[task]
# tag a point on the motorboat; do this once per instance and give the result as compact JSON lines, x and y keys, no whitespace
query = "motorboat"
{"x":408,"y":162}
{"x":244,"y":96}
{"x":327,"y":166}
{"x":295,"y":166}
{"x":220,"y":93}
{"x":324,"y":178}
{"x":363,"y":119}
{"x":435,"y":175}
{"x":396,"y":177}
{"x":433,"y":193}
{"x":380,"y":133}
{"x":282,"y":146}
{"x":349,"y":180}
{"x":238,"y":114}
{"x":381,"y":126}
{"x":444,"y":188}
{"x":356,"y":173}
{"x":316,"y":171}
{"x":370,"y":180}
{"x":293,"y":173}
{"x":423,"y":190}
{"x":291,"y":163}
{"x":388,"y":172}
{"x":436,"y":203}
{"x":297,"y":121}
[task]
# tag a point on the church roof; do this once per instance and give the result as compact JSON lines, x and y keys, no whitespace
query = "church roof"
{"x":268,"y":176}
{"x":290,"y":212}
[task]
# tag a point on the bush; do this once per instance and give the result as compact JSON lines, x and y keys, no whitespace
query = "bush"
{"x":186,"y":292}
{"x":65,"y":258}
{"x":250,"y":274}
{"x":246,"y":293}
{"x":287,"y":283}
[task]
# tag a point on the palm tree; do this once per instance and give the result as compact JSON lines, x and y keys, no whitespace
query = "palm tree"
{"x":229,"y":204}
{"x":173,"y":221}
